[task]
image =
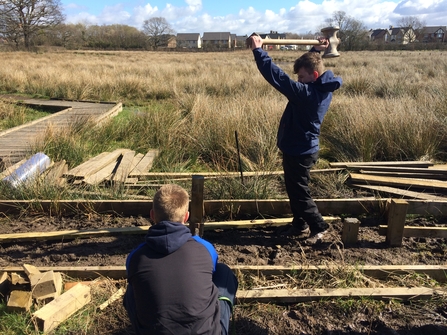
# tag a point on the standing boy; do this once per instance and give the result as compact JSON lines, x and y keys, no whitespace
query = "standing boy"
{"x":175,"y":284}
{"x":299,"y":128}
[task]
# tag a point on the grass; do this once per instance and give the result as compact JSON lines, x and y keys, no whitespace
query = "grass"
{"x":189,"y":106}
{"x":13,"y":115}
{"x":392,"y":106}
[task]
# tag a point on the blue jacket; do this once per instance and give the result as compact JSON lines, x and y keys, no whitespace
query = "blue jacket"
{"x":171,"y":277}
{"x":299,"y":128}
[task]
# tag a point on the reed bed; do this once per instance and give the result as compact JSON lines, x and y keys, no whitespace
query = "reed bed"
{"x":392,"y":105}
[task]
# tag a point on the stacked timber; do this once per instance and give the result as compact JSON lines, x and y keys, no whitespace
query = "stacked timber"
{"x":121,"y":166}
{"x":413,"y":179}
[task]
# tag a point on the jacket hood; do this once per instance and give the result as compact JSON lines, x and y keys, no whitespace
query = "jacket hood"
{"x":327,"y":82}
{"x":166,"y":237}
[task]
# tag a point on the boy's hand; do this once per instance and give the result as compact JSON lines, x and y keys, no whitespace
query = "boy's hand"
{"x":324,"y":44}
{"x":256,"y":41}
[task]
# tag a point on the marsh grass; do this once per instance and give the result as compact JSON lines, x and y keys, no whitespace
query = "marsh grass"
{"x":13,"y":115}
{"x":392,"y":106}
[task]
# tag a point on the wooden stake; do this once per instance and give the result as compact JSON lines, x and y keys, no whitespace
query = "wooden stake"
{"x":397,"y":212}
{"x":197,"y":205}
{"x":350,"y":231}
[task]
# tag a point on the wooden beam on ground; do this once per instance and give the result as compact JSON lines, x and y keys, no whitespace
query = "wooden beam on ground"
{"x":94,"y":164}
{"x":124,"y":167}
{"x":91,"y":233}
{"x":11,"y":169}
{"x":104,"y":174}
{"x":400,"y":192}
{"x":302,"y":295}
{"x":55,"y":312}
{"x":416,"y":175}
{"x":265,"y":207}
{"x":403,"y":182}
{"x":427,"y":232}
{"x":176,"y":175}
{"x":145,"y":163}
{"x":420,"y":164}
{"x":382,"y":168}
{"x":383,"y":272}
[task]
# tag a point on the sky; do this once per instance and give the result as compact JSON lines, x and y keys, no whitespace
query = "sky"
{"x":243,"y":17}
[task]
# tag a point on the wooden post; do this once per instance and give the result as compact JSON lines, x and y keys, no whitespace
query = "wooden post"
{"x":397,"y":211}
{"x":350,"y":231}
{"x":197,"y":211}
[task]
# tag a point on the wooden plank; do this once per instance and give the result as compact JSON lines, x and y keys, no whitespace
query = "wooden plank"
{"x":404,"y":182}
{"x":124,"y":167}
{"x":104,"y":174}
{"x":176,"y":175}
{"x":419,"y":164}
{"x":95,"y":164}
{"x":52,"y":314}
{"x":89,"y":233}
{"x":400,"y":192}
{"x":383,"y":272}
{"x":54,"y":174}
{"x":145,"y":163}
{"x":275,"y":207}
{"x":381,"y":168}
{"x":417,"y":175}
{"x":11,"y":169}
{"x":397,"y":212}
{"x":409,"y":231}
{"x":302,"y":295}
{"x":76,"y":171}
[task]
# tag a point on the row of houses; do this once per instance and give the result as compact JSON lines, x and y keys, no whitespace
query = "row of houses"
{"x":405,"y":35}
{"x":399,"y":35}
{"x":217,"y":39}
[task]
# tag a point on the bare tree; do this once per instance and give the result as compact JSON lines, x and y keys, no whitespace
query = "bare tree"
{"x":26,"y":18}
{"x":353,"y":33}
{"x":158,"y":30}
{"x":414,"y":23}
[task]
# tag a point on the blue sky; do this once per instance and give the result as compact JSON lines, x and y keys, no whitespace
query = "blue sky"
{"x":246,"y":16}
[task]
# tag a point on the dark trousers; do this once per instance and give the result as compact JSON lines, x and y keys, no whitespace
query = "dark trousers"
{"x":297,"y":177}
{"x":227,"y":284}
{"x":225,"y":281}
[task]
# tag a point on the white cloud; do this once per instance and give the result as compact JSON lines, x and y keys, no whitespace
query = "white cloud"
{"x":305,"y":16}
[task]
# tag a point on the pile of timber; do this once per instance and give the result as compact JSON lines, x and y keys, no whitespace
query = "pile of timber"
{"x":411,"y":180}
{"x":44,"y":291}
{"x":121,"y":166}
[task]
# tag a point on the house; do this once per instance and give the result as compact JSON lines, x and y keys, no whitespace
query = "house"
{"x":217,"y":40}
{"x":189,"y":40}
{"x":240,"y":41}
{"x":402,"y":35}
{"x":433,"y":34}
{"x":379,"y":35}
{"x":273,"y":35}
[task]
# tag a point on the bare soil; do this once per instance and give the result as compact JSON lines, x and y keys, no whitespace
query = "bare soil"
{"x":254,"y":247}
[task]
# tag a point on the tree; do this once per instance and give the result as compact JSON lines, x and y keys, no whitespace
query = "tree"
{"x":158,"y":30}
{"x":353,"y":33}
{"x":26,"y":18}
{"x":414,"y":23}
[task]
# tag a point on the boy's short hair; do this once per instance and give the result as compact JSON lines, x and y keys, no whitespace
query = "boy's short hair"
{"x":311,"y":61}
{"x":170,"y":203}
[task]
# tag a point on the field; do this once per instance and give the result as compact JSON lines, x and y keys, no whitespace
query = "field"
{"x":392,"y":106}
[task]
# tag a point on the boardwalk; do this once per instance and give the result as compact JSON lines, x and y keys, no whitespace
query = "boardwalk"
{"x":16,"y":143}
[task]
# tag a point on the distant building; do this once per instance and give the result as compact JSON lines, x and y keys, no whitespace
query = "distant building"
{"x":216,"y":40}
{"x":433,"y":34}
{"x":275,"y":36}
{"x":189,"y":40}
